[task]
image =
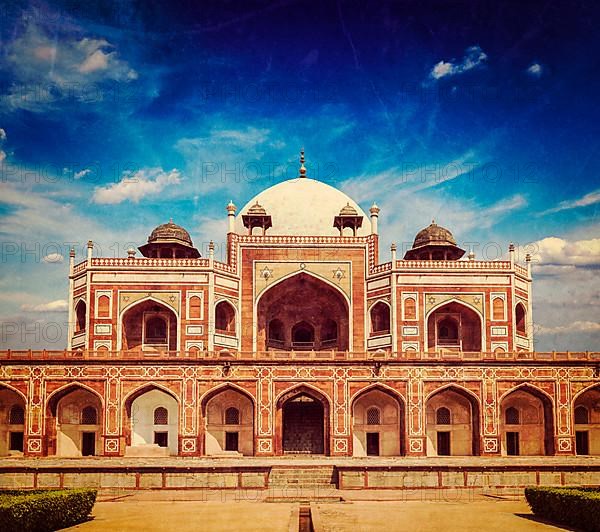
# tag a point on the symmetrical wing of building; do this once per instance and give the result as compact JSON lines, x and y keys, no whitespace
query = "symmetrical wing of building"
{"x":299,"y":341}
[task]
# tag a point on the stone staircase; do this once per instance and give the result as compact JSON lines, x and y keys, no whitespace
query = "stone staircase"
{"x":303,"y":484}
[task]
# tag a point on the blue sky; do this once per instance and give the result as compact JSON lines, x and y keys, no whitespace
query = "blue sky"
{"x":116,"y":116}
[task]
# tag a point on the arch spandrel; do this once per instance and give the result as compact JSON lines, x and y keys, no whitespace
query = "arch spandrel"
{"x":475,"y":301}
{"x":338,"y":274}
{"x":170,"y":299}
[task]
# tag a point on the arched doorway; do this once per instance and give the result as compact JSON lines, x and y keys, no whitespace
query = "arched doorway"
{"x":12,"y":422}
{"x":586,"y":419}
{"x":302,"y":312}
{"x":74,"y":422}
{"x":149,"y":326}
{"x":303,"y":422}
{"x":454,"y":327}
{"x":452,"y":423}
{"x":152,"y":418}
{"x":527,"y":423}
{"x":377,"y":424}
{"x":229,"y":422}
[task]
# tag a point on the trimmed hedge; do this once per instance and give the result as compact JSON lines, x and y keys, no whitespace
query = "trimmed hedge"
{"x":576,"y":507}
{"x":44,"y":510}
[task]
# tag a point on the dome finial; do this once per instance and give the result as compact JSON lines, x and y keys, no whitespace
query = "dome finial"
{"x":302,"y":167}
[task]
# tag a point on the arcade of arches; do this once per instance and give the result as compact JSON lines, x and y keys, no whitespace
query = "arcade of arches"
{"x":74,"y":422}
{"x":303,"y":313}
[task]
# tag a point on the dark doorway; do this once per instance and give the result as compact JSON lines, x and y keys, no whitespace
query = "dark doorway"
{"x":161,"y":439}
{"x":303,"y":421}
{"x":443,"y":443}
{"x":88,"y":443}
{"x":512,"y":443}
{"x":372,"y":443}
{"x":16,"y":441}
{"x":582,"y":442}
{"x":231,"y":441}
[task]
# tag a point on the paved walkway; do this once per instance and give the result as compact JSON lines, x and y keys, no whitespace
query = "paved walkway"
{"x":417,"y":516}
{"x":202,"y":510}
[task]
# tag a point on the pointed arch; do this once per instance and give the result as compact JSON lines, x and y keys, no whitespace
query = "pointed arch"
{"x":125,"y":329}
{"x":317,"y":418}
{"x":471,"y":329}
{"x":220,"y":433}
{"x":53,"y":399}
{"x":475,"y":411}
{"x":547,"y":402}
{"x":209,"y":394}
{"x":13,"y":389}
{"x":301,"y":272}
{"x":391,"y":439}
{"x":144,"y":388}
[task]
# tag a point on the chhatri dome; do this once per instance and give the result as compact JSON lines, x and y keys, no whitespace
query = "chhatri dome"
{"x":302,"y":206}
{"x":434,"y":242}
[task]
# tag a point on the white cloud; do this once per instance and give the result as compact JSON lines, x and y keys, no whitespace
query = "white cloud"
{"x":535,"y":70}
{"x":576,"y":326}
{"x":474,"y":57}
{"x":46,"y":67}
{"x":59,"y":305}
{"x":53,"y":258}
{"x":138,"y":185}
{"x":2,"y":134}
{"x":551,"y":252}
{"x":590,"y":198}
{"x":82,"y":173}
{"x":95,"y":61}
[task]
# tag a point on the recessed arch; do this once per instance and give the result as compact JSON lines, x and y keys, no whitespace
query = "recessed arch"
{"x":302,"y":420}
{"x":134,"y":321}
{"x":225,"y":317}
{"x":145,"y":437}
{"x":462,"y":435}
{"x":15,"y":390}
{"x":67,"y":432}
{"x":535,"y":433}
{"x":388,"y":437}
{"x":469,"y":322}
{"x":380,"y":317}
{"x":209,"y":394}
{"x":302,"y":272}
{"x":59,"y":393}
{"x":586,"y":420}
{"x":303,"y":297}
{"x":13,"y":421}
{"x":521,"y":319}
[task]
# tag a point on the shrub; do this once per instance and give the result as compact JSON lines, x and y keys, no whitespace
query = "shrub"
{"x":39,"y":510}
{"x":576,"y":507}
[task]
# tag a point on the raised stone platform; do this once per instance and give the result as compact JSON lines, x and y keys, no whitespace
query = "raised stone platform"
{"x":279,"y":473}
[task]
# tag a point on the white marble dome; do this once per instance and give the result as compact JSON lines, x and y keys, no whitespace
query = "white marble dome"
{"x":303,"y":207}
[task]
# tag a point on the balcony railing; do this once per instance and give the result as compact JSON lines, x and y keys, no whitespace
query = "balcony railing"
{"x":406,"y":356}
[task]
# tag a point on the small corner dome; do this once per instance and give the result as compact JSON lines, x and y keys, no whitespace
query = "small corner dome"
{"x":435,"y":235}
{"x":170,"y":232}
{"x":302,"y":207}
{"x":348,"y":210}
{"x":257,"y":210}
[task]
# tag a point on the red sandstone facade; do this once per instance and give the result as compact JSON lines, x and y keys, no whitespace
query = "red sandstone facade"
{"x":301,"y":342}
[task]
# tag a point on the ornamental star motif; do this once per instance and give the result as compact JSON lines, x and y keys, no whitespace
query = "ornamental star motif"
{"x":338,"y":274}
{"x":477,"y":300}
{"x":431,"y":299}
{"x":172,"y":299}
{"x":266,"y":273}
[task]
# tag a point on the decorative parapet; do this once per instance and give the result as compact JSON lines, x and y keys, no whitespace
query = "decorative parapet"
{"x":280,"y":356}
{"x":453,"y":265}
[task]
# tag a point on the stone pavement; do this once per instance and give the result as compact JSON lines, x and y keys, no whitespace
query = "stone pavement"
{"x":211,"y":510}
{"x":419,"y":516}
